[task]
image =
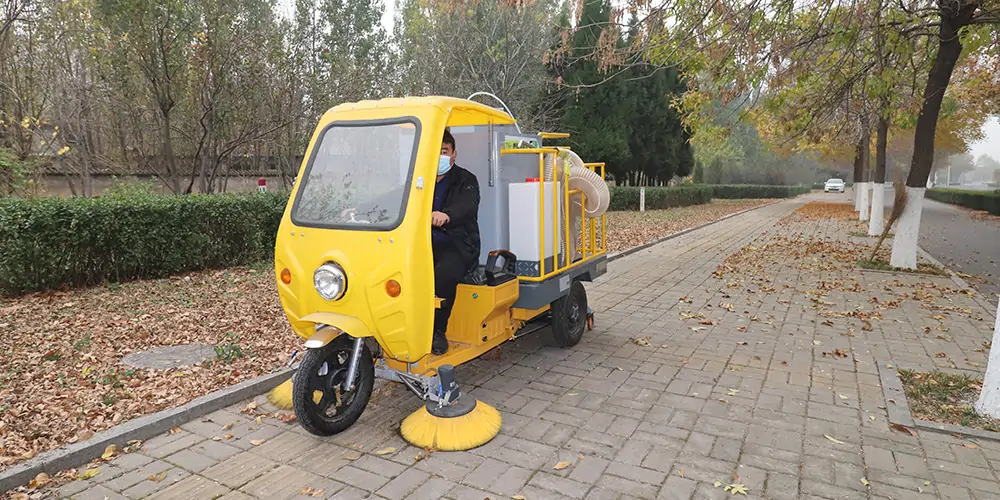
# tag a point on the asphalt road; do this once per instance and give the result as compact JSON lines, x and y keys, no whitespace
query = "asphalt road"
{"x":964,"y":244}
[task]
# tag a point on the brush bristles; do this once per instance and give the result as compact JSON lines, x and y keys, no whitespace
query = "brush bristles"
{"x":281,"y":396}
{"x":474,"y":429}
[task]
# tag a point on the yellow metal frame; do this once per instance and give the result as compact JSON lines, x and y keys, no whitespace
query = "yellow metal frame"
{"x":588,"y":233}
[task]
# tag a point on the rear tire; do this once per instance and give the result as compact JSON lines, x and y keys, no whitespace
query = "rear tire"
{"x":569,"y":316}
{"x":308,"y":384}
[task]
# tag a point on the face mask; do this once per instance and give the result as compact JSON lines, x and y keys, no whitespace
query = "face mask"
{"x":444,"y":164}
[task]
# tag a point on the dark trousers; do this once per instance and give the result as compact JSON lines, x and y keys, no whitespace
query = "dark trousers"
{"x":449,"y":268}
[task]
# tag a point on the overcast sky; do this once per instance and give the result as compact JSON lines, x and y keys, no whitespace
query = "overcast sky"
{"x":287,"y":9}
{"x":991,"y":143}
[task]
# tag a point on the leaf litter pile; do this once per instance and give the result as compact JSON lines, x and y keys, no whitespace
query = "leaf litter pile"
{"x":62,"y":381}
{"x":807,"y":243}
{"x":630,"y":229}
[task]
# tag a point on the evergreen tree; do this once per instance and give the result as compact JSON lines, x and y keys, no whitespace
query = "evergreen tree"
{"x":596,"y":111}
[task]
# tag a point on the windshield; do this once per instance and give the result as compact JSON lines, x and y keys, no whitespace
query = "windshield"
{"x":358,"y":176}
{"x":835,"y":181}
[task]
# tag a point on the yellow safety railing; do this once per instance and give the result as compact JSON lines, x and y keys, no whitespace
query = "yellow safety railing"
{"x":588,"y":232}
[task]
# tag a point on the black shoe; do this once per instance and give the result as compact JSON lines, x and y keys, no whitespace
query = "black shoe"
{"x":439,"y":345}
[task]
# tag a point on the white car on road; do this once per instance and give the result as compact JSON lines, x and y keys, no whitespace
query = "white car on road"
{"x":834,"y":185}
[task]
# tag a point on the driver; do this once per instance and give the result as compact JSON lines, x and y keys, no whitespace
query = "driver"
{"x":454,"y":233}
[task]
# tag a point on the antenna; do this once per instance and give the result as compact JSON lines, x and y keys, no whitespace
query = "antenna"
{"x":505,"y":108}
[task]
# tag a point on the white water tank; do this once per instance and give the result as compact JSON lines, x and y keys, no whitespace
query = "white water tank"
{"x":524,"y":207}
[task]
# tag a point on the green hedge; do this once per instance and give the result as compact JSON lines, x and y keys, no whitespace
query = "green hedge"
{"x":627,"y":198}
{"x":739,"y":191}
{"x":51,"y":242}
{"x":978,"y":200}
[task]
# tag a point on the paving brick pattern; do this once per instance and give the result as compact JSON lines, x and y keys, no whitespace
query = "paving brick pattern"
{"x":748,"y":398}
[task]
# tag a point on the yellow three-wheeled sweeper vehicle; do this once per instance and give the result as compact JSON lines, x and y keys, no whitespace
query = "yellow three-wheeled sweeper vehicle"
{"x":355,"y":270}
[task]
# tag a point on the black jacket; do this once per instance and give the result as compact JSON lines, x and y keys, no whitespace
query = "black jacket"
{"x":461,"y":204}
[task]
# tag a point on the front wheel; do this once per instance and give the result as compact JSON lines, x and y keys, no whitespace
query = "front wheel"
{"x":321,"y":405}
{"x":569,"y":316}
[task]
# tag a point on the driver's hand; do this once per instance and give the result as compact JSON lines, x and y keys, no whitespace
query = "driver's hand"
{"x":348,"y":212}
{"x":439,"y":219}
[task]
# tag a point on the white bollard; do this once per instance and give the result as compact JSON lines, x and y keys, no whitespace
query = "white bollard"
{"x":642,"y":199}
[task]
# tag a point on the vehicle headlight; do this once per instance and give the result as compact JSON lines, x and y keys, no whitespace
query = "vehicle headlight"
{"x":330,"y":281}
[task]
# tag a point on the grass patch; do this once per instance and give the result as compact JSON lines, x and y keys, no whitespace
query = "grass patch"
{"x":922,"y":268}
{"x":945,"y":398}
{"x":864,"y":234}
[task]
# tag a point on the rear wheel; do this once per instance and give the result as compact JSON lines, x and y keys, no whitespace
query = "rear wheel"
{"x":321,"y":405}
{"x":569,"y":316}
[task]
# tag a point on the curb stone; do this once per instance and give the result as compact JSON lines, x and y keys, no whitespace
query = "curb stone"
{"x":977,"y":297}
{"x":630,"y":251}
{"x":898,"y":408}
{"x":141,"y":428}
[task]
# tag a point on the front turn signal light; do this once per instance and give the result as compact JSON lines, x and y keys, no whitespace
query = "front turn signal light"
{"x":392,"y":288}
{"x":286,"y":276}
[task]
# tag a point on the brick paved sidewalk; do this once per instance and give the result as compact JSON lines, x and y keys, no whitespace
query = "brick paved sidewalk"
{"x":752,"y":396}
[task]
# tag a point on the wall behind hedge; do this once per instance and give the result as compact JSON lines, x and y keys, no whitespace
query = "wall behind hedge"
{"x":50,"y":242}
{"x":978,"y":200}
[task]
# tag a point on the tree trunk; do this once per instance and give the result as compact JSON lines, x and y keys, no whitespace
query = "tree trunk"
{"x":858,"y":172}
{"x":174,"y":179}
{"x":877,"y":220}
{"x":953,"y":18}
{"x":866,"y":153}
{"x":989,"y":399}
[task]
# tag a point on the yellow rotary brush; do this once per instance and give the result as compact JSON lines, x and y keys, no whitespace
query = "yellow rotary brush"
{"x":455,"y":422}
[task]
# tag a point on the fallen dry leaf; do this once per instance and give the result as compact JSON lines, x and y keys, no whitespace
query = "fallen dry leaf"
{"x":250,"y":408}
{"x":736,"y":489}
{"x":970,"y":446}
{"x":833,"y":439}
{"x":903,"y":429}
{"x":561,"y":465}
{"x":40,"y":480}
{"x":156,"y":478}
{"x":257,"y":442}
{"x":385,"y":451}
{"x":228,"y":426}
{"x":174,"y":430}
{"x":864,"y":481}
{"x":286,"y":418}
{"x":518,"y":497}
{"x":312,"y":492}
{"x":89,"y":473}
{"x":680,"y":473}
{"x":109,"y":452}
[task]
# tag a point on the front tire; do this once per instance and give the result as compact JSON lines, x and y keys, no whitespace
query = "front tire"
{"x":320,"y":405}
{"x":569,"y":316}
